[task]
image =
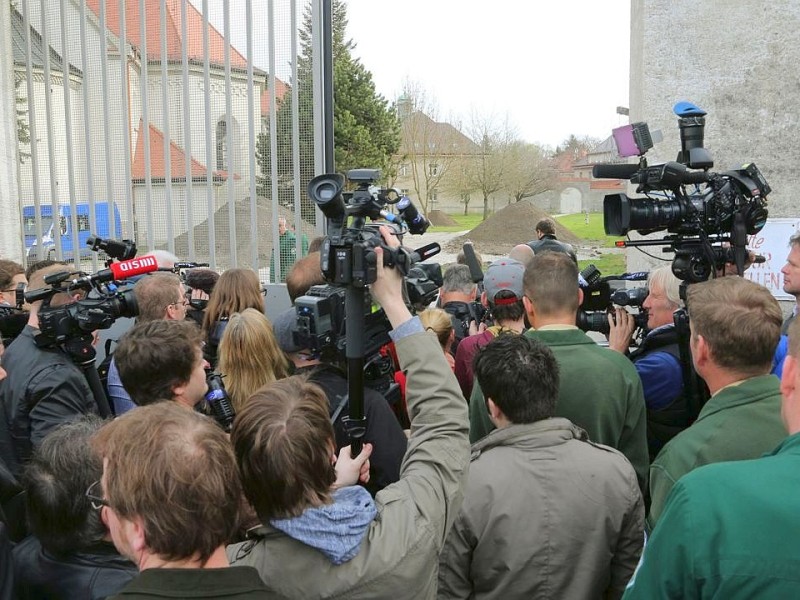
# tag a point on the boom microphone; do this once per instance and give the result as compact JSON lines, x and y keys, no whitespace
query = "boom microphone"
{"x":619,"y":171}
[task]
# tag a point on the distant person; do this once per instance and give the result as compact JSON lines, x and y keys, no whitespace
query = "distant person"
{"x":547,"y":242}
{"x":287,"y":246}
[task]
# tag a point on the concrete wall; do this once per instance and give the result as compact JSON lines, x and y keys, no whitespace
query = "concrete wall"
{"x":736,"y":60}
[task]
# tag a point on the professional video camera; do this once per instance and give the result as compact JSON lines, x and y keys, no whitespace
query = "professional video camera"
{"x":69,"y":327}
{"x":708,"y":215}
{"x":348,"y":260}
{"x":114,"y":249}
{"x":13,"y":318}
{"x":599,"y":299}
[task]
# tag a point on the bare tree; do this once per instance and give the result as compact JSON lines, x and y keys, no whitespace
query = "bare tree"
{"x":494,"y":137}
{"x":429,"y":147}
{"x":529,"y":171}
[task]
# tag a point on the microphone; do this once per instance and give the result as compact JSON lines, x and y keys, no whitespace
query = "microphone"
{"x":417,"y":224}
{"x":120,"y":270}
{"x":474,"y":265}
{"x":614,"y":171}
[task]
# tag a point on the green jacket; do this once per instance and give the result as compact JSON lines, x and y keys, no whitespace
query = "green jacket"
{"x":738,"y":423}
{"x":579,"y":504}
{"x":399,"y":555}
{"x":727,"y":531}
{"x":288,"y":249}
{"x":599,"y":390}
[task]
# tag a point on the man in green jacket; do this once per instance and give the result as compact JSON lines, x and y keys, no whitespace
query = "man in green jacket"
{"x":726,"y":529}
{"x":316,"y":541}
{"x":600,"y":390}
{"x":735,"y":328}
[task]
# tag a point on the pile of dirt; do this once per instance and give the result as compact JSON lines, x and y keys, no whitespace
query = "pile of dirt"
{"x":515,"y":224}
{"x":441,"y":219}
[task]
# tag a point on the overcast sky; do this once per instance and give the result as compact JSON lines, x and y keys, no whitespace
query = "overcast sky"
{"x":552,"y":67}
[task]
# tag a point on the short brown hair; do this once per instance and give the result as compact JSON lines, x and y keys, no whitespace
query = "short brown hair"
{"x":551,"y":283}
{"x":546,"y":226}
{"x":173,"y":469}
{"x":303,"y":274}
{"x":154,"y":293}
{"x":8,"y":269}
{"x":283,"y":440}
{"x":740,"y":320}
{"x":156,"y":356}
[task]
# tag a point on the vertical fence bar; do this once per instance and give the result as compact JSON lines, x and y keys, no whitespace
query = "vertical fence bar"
{"x":273,"y":146}
{"x":212,"y":232}
{"x":317,"y":51}
{"x":126,"y":119}
{"x":165,"y":130}
{"x":76,"y":249}
{"x":298,"y":217}
{"x":87,"y":124}
{"x":110,"y":200}
{"x":51,"y":151}
{"x":37,"y":205}
{"x":187,"y":130}
{"x":143,"y":84}
{"x":229,"y":141}
{"x":251,"y":148}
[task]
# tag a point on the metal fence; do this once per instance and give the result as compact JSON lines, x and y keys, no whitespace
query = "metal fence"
{"x":159,"y":121}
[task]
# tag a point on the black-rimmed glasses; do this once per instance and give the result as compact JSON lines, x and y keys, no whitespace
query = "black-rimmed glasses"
{"x":98,"y":502}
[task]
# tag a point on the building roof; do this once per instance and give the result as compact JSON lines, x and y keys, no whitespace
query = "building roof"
{"x":18,"y":47}
{"x":194,"y":28}
{"x":444,"y":137}
{"x":158,"y":160}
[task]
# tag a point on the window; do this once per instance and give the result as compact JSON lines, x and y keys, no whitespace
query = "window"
{"x":403,"y":171}
{"x":433,"y":196}
{"x":83,"y":222}
{"x":433,"y":169}
{"x":222,"y":145}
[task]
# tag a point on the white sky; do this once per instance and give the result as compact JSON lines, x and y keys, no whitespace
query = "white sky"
{"x":553,"y":67}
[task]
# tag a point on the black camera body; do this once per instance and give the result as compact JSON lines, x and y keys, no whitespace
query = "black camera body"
{"x":599,"y":299}
{"x":709,"y":215}
{"x":121,"y":250}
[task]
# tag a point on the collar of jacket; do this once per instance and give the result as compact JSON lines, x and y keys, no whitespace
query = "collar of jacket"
{"x":560,"y":337}
{"x":789,"y":445}
{"x":748,"y":391}
{"x":540,"y":434}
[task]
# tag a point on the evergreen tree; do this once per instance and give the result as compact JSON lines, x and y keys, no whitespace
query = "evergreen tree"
{"x":366,"y":128}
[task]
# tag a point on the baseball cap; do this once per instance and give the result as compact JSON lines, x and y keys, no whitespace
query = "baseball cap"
{"x":504,"y":274}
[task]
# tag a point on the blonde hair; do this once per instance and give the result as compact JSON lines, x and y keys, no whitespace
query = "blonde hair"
{"x":249,"y":356}
{"x":439,"y":322}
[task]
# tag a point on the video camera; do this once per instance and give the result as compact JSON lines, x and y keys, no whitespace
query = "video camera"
{"x":349,"y":262}
{"x":114,"y":249}
{"x":708,"y":214}
{"x":599,"y":299}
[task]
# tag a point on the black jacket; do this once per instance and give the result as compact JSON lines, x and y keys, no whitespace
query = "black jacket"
{"x":96,"y":573}
{"x":549,"y":243}
{"x":44,"y":389}
{"x":382,"y":430}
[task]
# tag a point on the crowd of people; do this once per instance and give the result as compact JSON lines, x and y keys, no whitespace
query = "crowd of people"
{"x":514,"y":457}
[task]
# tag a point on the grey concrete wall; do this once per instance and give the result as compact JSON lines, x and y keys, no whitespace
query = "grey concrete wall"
{"x":739,"y":62}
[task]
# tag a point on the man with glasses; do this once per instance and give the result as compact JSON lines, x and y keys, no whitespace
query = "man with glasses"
{"x":171,"y":498}
{"x":160,"y":296}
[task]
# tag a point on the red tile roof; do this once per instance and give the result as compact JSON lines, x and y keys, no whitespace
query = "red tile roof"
{"x":194,"y":28}
{"x":158,"y":162}
{"x":281,"y":88}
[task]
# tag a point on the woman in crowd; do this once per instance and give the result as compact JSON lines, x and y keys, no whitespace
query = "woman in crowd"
{"x":249,"y":356}
{"x":236,"y":290}
{"x":439,"y":322}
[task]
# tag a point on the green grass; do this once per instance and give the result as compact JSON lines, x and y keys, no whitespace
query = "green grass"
{"x":607,"y":264}
{"x":592,"y":231}
{"x":465,"y":223}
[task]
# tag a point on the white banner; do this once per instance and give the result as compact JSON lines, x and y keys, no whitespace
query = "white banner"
{"x":772,"y":243}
